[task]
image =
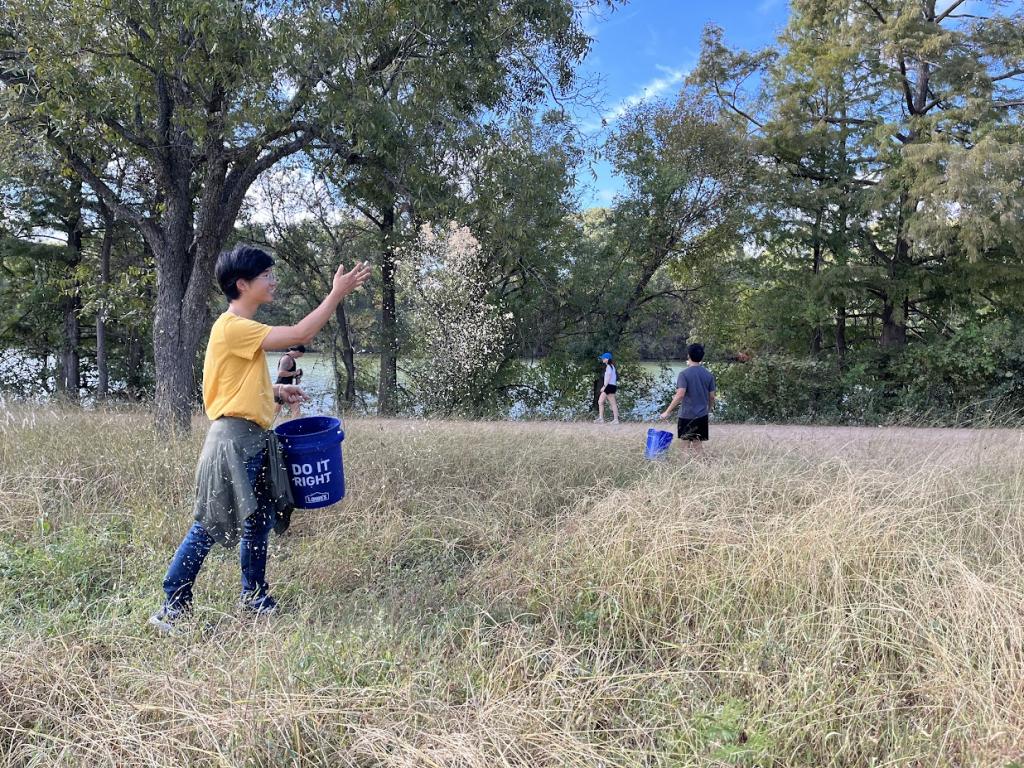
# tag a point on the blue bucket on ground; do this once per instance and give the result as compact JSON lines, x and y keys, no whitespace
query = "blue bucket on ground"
{"x":658,"y":441}
{"x":312,"y":453}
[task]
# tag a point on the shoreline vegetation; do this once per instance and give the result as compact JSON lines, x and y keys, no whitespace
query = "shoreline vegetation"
{"x":525,"y":594}
{"x":775,"y":400}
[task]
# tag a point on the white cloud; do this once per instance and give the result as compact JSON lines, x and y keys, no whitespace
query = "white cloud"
{"x":653,"y":89}
{"x":767,"y":6}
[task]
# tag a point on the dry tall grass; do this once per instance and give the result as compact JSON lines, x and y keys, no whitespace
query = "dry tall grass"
{"x":525,"y":595}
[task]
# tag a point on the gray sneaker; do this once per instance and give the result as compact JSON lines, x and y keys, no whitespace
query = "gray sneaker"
{"x":168,"y":619}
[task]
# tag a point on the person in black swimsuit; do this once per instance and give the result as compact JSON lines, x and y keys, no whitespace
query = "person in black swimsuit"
{"x":288,"y":372}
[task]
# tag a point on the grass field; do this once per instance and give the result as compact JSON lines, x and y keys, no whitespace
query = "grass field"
{"x":525,"y":595}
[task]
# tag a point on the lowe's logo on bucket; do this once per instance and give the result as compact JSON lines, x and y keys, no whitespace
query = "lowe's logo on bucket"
{"x":316,"y":498}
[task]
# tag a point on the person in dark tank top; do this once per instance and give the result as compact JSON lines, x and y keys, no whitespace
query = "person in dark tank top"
{"x":288,"y":372}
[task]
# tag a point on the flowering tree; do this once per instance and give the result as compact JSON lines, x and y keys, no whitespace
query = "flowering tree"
{"x":462,"y":332}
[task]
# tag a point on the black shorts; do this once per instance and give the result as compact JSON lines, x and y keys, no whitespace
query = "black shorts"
{"x":610,"y":389}
{"x":693,"y":429}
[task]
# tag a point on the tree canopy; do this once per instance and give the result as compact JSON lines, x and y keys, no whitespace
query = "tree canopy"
{"x":838,"y":216}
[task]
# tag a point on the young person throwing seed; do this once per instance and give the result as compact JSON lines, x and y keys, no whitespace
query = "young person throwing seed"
{"x":242,"y":489}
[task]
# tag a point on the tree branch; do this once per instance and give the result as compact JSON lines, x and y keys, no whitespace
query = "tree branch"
{"x":149,"y":228}
{"x":366,"y":212}
{"x":674,"y":292}
{"x":877,"y":252}
{"x":130,"y":136}
{"x":1008,"y":75}
{"x":731,"y":105}
{"x":241,"y":177}
{"x":875,"y":11}
{"x":905,"y":82}
{"x":952,"y":7}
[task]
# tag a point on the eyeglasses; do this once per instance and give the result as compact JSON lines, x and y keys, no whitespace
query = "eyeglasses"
{"x":269,"y":276}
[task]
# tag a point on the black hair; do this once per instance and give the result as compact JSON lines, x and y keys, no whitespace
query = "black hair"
{"x":243,"y":262}
{"x":695,"y":352}
{"x":297,"y":348}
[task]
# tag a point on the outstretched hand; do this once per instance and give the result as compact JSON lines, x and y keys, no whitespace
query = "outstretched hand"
{"x":346,"y":282}
{"x":290,"y":393}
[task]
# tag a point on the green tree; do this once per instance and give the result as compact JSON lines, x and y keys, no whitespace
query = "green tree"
{"x":199,"y":99}
{"x":876,"y":121}
{"x":196,"y":99}
{"x":889,"y":138}
{"x":519,"y":208}
{"x":687,"y":177}
{"x":45,"y":203}
{"x":411,"y":139}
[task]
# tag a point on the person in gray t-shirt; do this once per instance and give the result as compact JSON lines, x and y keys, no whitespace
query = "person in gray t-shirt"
{"x":695,"y":396}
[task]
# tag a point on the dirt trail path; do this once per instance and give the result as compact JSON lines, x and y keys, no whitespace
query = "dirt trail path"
{"x":925,"y":444}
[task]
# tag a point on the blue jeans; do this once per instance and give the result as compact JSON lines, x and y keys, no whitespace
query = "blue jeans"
{"x":252,"y":555}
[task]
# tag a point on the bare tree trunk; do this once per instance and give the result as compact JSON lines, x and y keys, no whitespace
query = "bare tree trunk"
{"x":133,"y":377}
{"x":816,"y":336}
{"x":69,"y":375}
{"x":893,"y":329}
{"x":102,"y":377}
{"x":102,"y":374}
{"x":348,"y":357}
{"x":175,"y":375}
{"x":69,"y":363}
{"x":173,"y":356}
{"x":894,"y":307}
{"x":387,"y":384}
{"x":840,"y":255}
{"x":841,"y":336}
{"x":184,"y":259}
{"x":179,"y":325}
{"x":635,"y":299}
{"x":595,"y":389}
{"x":44,"y":371}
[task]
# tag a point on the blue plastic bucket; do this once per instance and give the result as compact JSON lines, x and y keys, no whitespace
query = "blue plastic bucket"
{"x":658,"y":441}
{"x":312,"y":453}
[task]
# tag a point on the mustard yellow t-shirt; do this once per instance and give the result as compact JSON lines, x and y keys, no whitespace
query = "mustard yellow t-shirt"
{"x":236,"y":381}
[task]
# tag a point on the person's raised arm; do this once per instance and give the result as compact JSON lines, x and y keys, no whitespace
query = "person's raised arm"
{"x":283,"y":336}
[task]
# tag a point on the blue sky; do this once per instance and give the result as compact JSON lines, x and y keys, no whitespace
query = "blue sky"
{"x":647,"y":47}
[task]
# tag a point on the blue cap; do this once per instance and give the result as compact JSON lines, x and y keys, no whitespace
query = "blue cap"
{"x":606,"y":356}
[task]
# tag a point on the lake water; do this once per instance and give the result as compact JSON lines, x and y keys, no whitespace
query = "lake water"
{"x":318,"y":382}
